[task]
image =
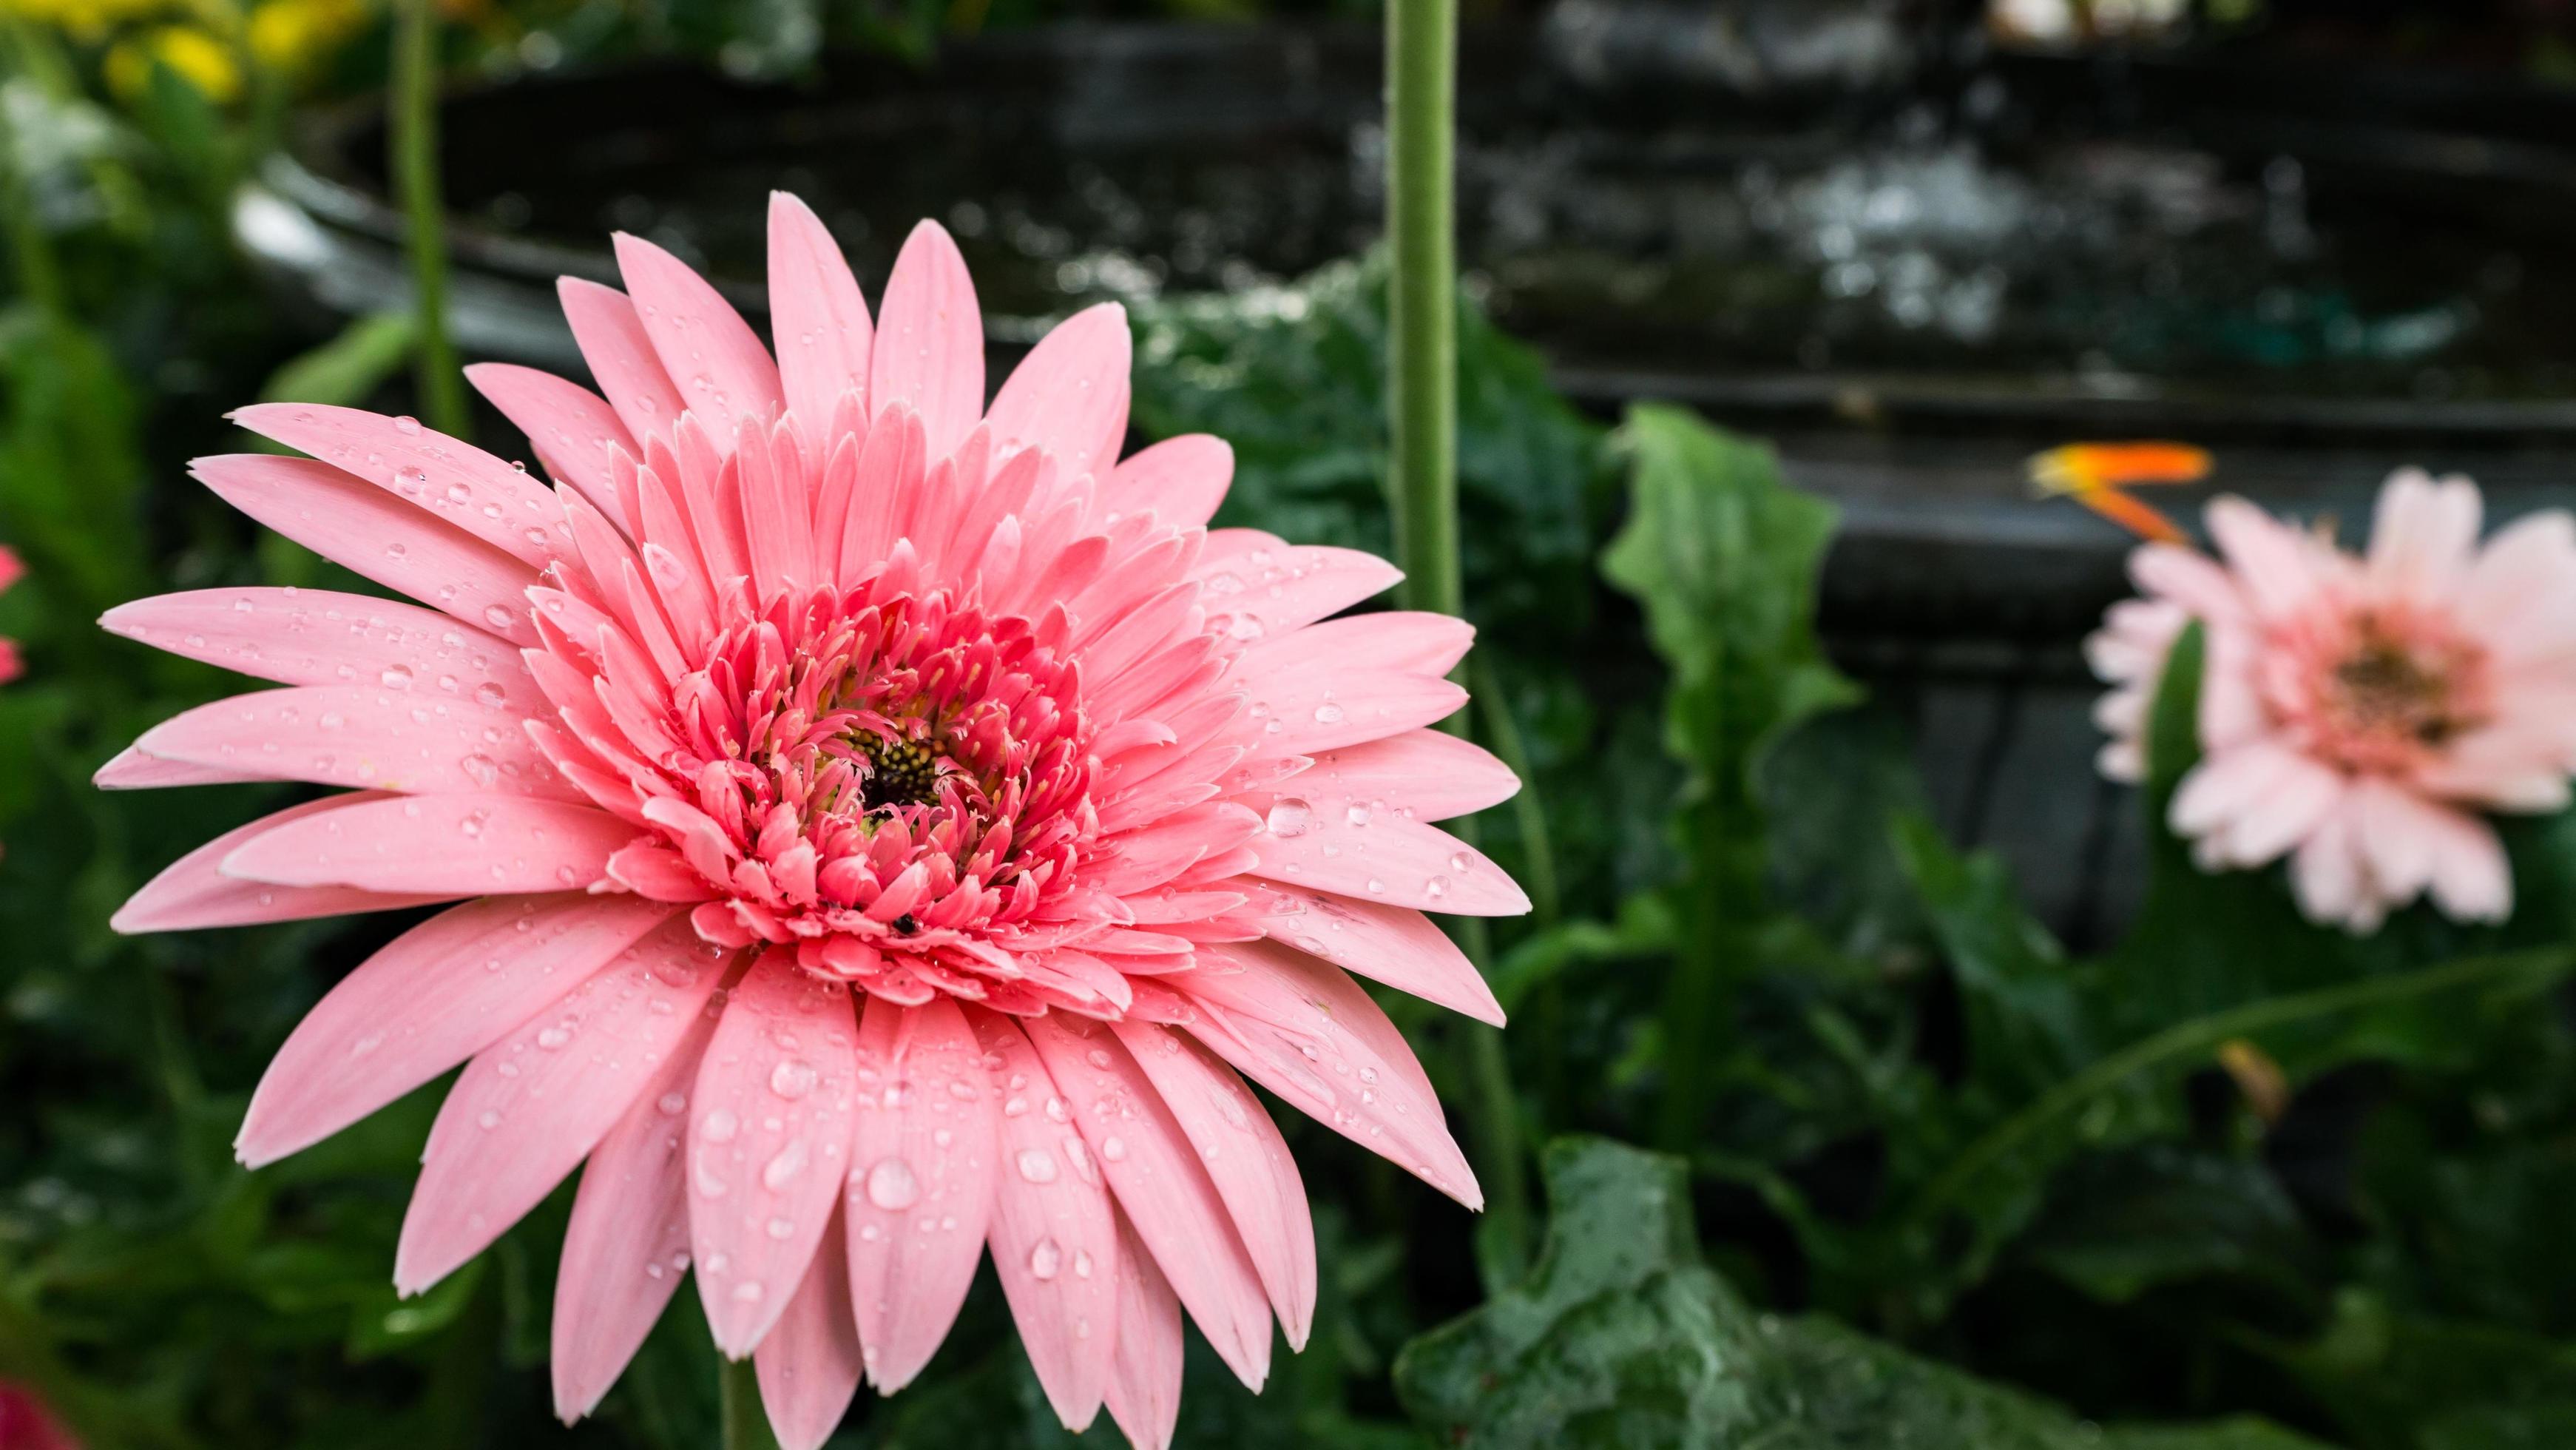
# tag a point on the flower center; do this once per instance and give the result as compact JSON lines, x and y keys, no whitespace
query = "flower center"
{"x":2390,"y":691}
{"x":895,"y":774}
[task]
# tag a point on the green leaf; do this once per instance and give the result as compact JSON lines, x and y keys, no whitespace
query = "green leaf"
{"x":347,"y":370}
{"x":1722,"y":555}
{"x":1622,"y":1336}
{"x":387,"y":1324}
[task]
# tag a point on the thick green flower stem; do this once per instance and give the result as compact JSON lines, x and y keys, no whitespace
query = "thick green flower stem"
{"x":1422,"y":416}
{"x":746,"y":1424}
{"x":412,"y":130}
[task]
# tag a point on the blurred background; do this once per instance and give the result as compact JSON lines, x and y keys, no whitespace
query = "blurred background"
{"x":1906,"y":243}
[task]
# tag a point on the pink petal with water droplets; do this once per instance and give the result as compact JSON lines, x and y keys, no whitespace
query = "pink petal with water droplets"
{"x":1374,"y":854}
{"x":769,"y":1142}
{"x":530,"y":1106}
{"x":452,"y":481}
{"x":628,"y":1242}
{"x":1128,"y":1136}
{"x":1318,"y":707}
{"x":429,"y":999}
{"x":367,"y":737}
{"x":808,"y":1363}
{"x":929,"y":348}
{"x":193,"y":893}
{"x":1297,"y":587}
{"x":817,"y":316}
{"x":321,"y":637}
{"x":1391,"y":944}
{"x":1428,"y":775}
{"x":1047,"y":1220}
{"x":1179,"y":480}
{"x":131,"y":769}
{"x":438,"y":845}
{"x":622,"y":361}
{"x":1243,"y":1155}
{"x":1069,"y":395}
{"x":1361,"y":1080}
{"x":709,"y":353}
{"x":379,"y":536}
{"x":1401,"y":641}
{"x":1144,"y":1389}
{"x":922,"y":1160}
{"x":573,"y":430}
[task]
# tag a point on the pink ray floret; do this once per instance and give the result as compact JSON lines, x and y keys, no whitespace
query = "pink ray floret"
{"x":881,"y":827}
{"x":2361,"y":715}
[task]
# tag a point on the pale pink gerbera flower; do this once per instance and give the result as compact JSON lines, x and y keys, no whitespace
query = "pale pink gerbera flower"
{"x":889,"y":826}
{"x":2359,"y":713}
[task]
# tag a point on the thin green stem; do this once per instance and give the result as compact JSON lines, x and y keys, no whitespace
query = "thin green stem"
{"x":1538,"y":845}
{"x":746,"y":1424}
{"x":1422,"y":420}
{"x":1422,"y":298}
{"x":2204,"y":1034}
{"x":412,"y":130}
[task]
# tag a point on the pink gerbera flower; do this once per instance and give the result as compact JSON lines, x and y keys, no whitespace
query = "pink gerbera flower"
{"x":12,"y":665}
{"x":885,"y":826}
{"x":2358,"y":714}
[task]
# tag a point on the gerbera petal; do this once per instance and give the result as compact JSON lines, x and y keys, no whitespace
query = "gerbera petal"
{"x":1143,"y":1391}
{"x":709,"y":353}
{"x":322,"y":637}
{"x":611,"y":335}
{"x":1265,"y":1018}
{"x":372,"y":736}
{"x":1391,"y":944}
{"x":2472,"y":880}
{"x":379,"y":536}
{"x":1055,"y":1246}
{"x":428,"y":1000}
{"x":2327,"y":874}
{"x":929,"y":350}
{"x":628,"y":1242}
{"x":818,"y":316}
{"x":437,"y":845}
{"x":808,"y":1363}
{"x":1179,"y":480}
{"x":1069,"y":395}
{"x":451,"y":480}
{"x":1373,"y":853}
{"x":530,"y":1106}
{"x":1243,"y":1154}
{"x":192,"y":892}
{"x":575,"y":433}
{"x":923,"y":1156}
{"x":131,"y":769}
{"x":2423,"y":535}
{"x":769,"y":1143}
{"x":1129,"y":1137}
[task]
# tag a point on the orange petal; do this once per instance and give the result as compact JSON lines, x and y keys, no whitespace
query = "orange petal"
{"x":2079,"y":467}
{"x":2138,"y":518}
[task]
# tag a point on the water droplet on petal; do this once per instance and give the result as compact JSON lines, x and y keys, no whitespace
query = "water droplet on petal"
{"x":891,"y":1184}
{"x":1290,"y":818}
{"x":1045,"y":1260}
{"x":1037,"y":1165}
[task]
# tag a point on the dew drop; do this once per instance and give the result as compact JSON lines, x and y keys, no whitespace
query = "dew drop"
{"x":1045,"y":1260}
{"x":1290,"y":818}
{"x":719,"y":1126}
{"x":1037,"y":1165}
{"x":407,"y":424}
{"x":789,"y":1162}
{"x":793,"y":1078}
{"x":891,"y":1184}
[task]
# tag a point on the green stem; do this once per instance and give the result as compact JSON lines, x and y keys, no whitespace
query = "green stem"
{"x":746,"y":1424}
{"x":2204,"y":1034}
{"x":1422,"y":299}
{"x":1422,"y":420}
{"x":412,"y":129}
{"x":1546,"y":1017}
